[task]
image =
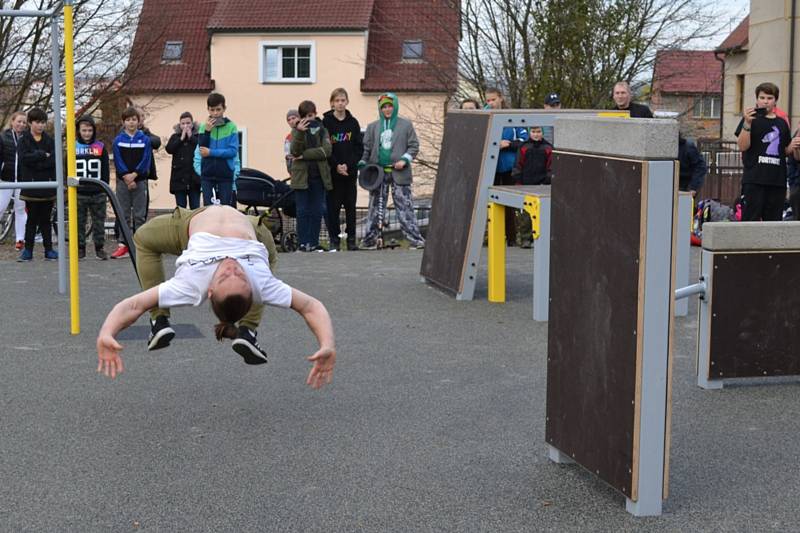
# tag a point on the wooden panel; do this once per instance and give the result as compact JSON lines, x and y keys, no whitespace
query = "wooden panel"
{"x":453,"y":208}
{"x":592,"y":373}
{"x":755,"y":315}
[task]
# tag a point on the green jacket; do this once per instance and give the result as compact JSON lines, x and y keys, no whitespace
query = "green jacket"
{"x":317,"y":155}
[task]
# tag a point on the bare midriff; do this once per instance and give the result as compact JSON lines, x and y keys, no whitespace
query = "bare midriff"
{"x":222,"y":221}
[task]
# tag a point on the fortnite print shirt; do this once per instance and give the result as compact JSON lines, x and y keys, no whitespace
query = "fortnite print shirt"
{"x":765,"y":160}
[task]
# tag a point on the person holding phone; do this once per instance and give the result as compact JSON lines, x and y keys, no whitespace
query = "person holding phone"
{"x":765,"y":142}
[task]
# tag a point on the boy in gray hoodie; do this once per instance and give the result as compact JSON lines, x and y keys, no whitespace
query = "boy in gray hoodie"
{"x":392,"y":143}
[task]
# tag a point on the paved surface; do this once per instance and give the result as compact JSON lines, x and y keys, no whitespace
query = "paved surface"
{"x":435,"y":420}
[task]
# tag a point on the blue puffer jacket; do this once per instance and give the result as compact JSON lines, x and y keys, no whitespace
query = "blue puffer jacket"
{"x":508,"y":156}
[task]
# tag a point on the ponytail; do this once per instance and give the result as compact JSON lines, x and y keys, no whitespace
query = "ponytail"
{"x":230,"y":310}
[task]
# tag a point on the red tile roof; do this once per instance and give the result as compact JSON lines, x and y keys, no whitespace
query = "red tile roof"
{"x":171,"y":20}
{"x":249,"y":15}
{"x":389,"y":22}
{"x":738,"y":38}
{"x":436,"y":23}
{"x":687,"y":71}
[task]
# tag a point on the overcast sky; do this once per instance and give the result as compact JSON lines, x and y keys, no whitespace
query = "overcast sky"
{"x":735,"y":11}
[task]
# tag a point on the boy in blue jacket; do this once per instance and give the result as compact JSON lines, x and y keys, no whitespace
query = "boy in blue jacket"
{"x":132,"y":153}
{"x":216,"y":158}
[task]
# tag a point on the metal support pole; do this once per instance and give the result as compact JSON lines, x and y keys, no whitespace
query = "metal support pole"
{"x":697,"y":288}
{"x":56,"y":70}
{"x":69,"y":72}
{"x":496,"y":269}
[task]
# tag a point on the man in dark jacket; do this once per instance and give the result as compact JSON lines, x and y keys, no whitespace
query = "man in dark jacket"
{"x":92,"y":162}
{"x":37,"y":151}
{"x":184,"y":183}
{"x":693,"y":167}
{"x":345,"y":134}
{"x":622,"y":100}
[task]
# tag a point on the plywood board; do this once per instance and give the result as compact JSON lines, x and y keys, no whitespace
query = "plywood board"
{"x":596,"y":245}
{"x":755,"y":315}
{"x":453,"y":208}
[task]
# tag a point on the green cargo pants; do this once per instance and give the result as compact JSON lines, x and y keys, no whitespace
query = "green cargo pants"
{"x":169,"y":234}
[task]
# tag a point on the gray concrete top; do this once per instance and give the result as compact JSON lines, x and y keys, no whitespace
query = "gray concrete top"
{"x":755,"y":236}
{"x":523,"y":190}
{"x":637,"y":138}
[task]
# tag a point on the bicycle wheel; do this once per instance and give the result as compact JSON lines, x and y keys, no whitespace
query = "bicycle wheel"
{"x":6,"y":222}
{"x":54,"y":221}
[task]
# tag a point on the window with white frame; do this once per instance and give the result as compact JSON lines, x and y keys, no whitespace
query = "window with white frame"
{"x":706,"y":107}
{"x":287,"y":62}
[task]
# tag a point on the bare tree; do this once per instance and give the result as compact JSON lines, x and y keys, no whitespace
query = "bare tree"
{"x":577,"y":48}
{"x":103,"y":31}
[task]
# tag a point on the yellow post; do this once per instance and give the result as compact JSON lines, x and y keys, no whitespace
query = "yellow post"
{"x":497,"y":253}
{"x":72,"y":171}
{"x":531,"y":206}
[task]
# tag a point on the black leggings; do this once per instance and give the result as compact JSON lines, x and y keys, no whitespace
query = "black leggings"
{"x":39,"y":214}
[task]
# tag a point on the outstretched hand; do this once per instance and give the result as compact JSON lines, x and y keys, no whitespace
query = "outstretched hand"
{"x":108,"y":360}
{"x":322,"y":371}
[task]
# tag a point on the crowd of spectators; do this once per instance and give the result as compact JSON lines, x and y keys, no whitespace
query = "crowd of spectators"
{"x":324,"y":157}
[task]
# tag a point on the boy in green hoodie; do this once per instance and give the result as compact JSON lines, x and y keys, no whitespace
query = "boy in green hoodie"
{"x":392,"y":143}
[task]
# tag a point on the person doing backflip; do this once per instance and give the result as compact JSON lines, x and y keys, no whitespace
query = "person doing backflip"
{"x":224,"y":259}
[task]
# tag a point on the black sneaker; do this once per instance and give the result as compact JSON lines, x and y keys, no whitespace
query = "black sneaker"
{"x":81,"y":252}
{"x":160,"y":334}
{"x":245,"y":344}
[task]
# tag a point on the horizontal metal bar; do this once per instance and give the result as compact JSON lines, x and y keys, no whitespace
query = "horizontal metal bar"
{"x":118,"y":212}
{"x":28,"y":185}
{"x":19,"y":13}
{"x":690,"y":290}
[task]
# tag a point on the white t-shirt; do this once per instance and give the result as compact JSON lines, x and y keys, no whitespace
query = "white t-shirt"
{"x":197,"y":264}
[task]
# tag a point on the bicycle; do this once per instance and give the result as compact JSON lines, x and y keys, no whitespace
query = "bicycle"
{"x":6,"y":222}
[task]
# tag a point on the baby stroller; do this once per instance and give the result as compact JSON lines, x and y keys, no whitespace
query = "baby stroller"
{"x":255,"y":189}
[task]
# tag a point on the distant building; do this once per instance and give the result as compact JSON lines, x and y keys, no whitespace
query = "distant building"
{"x":688,"y":83}
{"x":266,"y":57}
{"x":758,"y":50}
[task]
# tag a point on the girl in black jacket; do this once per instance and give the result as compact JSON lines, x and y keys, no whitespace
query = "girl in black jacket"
{"x":37,"y":151}
{"x":9,"y":140}
{"x":184,"y":183}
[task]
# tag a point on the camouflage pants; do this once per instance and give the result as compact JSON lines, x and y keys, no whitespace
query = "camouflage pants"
{"x":404,"y":206}
{"x":524,"y":228}
{"x":95,"y":205}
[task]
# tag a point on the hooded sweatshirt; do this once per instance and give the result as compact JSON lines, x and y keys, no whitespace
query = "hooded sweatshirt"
{"x":346,"y":141}
{"x":387,"y":126}
{"x":92,"y":158}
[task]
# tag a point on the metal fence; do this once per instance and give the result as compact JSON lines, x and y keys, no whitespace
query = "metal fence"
{"x":724,"y":179}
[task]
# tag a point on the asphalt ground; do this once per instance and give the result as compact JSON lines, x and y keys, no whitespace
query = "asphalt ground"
{"x":434,"y":421}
